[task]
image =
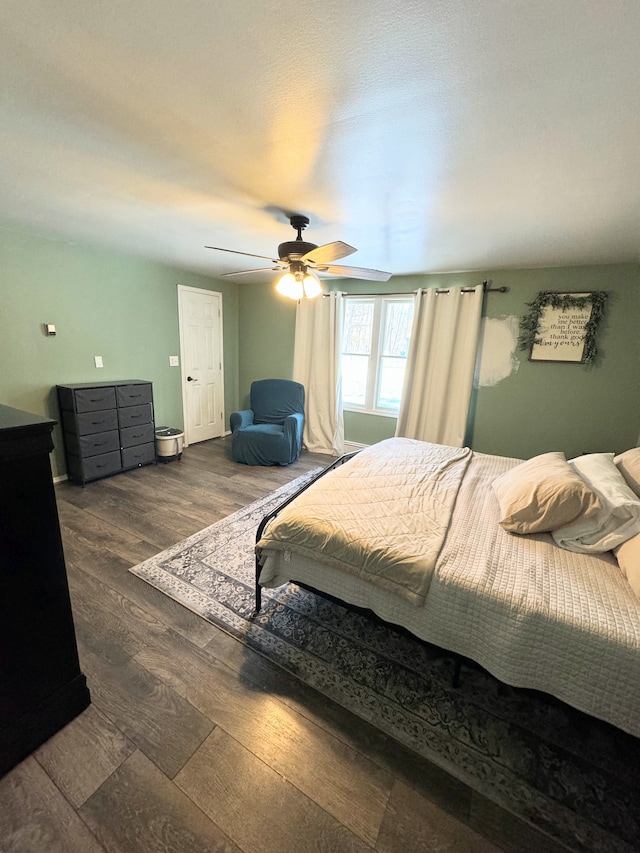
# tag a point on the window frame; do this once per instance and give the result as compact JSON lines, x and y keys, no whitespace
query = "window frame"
{"x":376,"y":354}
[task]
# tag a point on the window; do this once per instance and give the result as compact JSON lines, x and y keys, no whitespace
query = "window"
{"x":375,"y":342}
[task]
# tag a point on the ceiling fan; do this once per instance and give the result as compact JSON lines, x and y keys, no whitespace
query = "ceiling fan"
{"x":303,"y":261}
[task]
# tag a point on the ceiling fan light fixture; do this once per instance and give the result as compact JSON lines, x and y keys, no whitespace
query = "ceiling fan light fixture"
{"x":311,"y":287}
{"x":298,"y":286}
{"x":288,"y":285}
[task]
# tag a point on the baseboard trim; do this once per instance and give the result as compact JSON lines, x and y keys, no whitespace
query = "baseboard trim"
{"x":353,"y":445}
{"x":60,"y":479}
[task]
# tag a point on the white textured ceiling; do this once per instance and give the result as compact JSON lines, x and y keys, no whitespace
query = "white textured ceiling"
{"x":431,"y":134}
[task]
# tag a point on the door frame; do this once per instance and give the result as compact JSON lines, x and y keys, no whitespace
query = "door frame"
{"x":182,"y":289}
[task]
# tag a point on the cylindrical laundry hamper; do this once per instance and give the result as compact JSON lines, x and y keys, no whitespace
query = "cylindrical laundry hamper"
{"x":169,"y":441}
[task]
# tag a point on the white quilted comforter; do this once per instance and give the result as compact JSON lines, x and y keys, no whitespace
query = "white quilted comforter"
{"x":382,"y":517}
{"x":533,"y":614}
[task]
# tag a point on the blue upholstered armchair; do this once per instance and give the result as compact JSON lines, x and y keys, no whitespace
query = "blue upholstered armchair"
{"x":270,"y":433}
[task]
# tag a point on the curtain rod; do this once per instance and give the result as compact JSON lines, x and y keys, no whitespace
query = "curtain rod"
{"x":485,"y":284}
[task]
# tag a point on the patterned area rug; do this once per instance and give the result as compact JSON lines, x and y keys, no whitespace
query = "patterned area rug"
{"x":569,"y":775}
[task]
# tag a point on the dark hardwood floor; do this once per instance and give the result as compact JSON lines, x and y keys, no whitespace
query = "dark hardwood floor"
{"x":194,"y":743}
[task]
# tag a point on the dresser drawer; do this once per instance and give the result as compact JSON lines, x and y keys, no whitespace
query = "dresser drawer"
{"x":95,"y":399}
{"x":90,"y":422}
{"x":131,"y":436}
{"x":133,"y":395}
{"x":139,"y":455}
{"x":101,"y":466}
{"x":135,"y":415}
{"x":93,"y":444}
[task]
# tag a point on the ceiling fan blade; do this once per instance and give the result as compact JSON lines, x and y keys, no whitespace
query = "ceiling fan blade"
{"x":356,"y":272}
{"x":248,"y":254}
{"x":261,"y":269}
{"x":329,"y":252}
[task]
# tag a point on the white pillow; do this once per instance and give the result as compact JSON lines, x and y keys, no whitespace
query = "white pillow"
{"x":628,"y":463}
{"x":616,"y":521}
{"x":542,"y":494}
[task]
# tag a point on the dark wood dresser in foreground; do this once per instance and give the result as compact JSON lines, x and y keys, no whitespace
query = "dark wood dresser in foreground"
{"x":107,"y":427}
{"x":41,"y":685}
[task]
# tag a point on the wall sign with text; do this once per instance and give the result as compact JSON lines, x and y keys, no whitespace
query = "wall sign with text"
{"x":562,"y":326}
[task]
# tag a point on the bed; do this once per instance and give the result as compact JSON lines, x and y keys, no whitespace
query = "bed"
{"x":530,"y":612}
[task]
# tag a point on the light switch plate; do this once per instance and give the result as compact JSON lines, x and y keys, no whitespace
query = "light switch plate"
{"x":174,"y":361}
{"x":98,"y":360}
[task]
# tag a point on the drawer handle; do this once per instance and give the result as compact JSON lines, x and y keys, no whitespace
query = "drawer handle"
{"x":134,"y":396}
{"x":136,"y":416}
{"x":138,"y":435}
{"x":101,"y":465}
{"x":96,"y":399}
{"x":99,"y":443}
{"x":97,"y":423}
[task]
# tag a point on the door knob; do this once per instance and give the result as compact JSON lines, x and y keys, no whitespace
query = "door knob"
{"x":191,"y":379}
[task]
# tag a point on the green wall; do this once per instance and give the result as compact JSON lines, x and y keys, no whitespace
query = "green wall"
{"x":538,"y":407}
{"x":102,"y":303}
{"x":267,"y":324}
{"x":125,"y":309}
{"x":570,"y":407}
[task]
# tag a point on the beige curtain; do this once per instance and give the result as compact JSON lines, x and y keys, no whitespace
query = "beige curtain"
{"x":440,"y":366}
{"x":316,"y":364}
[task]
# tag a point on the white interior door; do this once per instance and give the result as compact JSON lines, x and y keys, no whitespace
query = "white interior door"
{"x":200,"y":314}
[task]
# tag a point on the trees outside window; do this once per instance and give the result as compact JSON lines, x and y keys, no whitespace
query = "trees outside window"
{"x":375,"y":343}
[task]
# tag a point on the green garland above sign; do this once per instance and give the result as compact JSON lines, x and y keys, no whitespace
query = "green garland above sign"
{"x":562,"y":326}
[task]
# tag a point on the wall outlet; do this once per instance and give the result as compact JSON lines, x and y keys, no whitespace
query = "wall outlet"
{"x":174,"y":361}
{"x":98,"y":360}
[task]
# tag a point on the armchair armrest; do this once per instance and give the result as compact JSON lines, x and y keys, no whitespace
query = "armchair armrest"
{"x":293,"y":425}
{"x":241,"y":419}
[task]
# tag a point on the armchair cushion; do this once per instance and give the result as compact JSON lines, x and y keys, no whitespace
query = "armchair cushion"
{"x":270,"y":433}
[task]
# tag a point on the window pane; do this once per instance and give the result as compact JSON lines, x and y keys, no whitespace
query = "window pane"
{"x":358,"y":324}
{"x":397,"y":331}
{"x":354,"y":379}
{"x":390,"y":384}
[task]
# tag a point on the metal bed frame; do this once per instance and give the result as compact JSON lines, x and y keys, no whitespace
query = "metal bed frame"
{"x":340,"y":461}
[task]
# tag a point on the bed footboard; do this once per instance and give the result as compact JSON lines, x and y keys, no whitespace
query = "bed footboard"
{"x":270,"y":516}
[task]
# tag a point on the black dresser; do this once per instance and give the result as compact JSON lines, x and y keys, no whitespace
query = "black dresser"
{"x":107,"y":427}
{"x":41,"y":686}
